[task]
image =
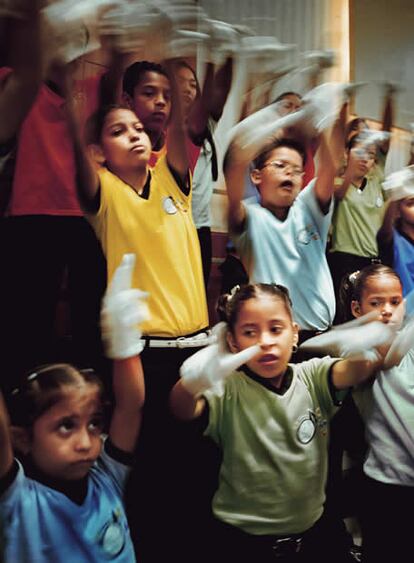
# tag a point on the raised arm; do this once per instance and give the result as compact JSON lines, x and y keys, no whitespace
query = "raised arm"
{"x":123,"y":310}
{"x":202,"y":371}
{"x":388,"y":115}
{"x":177,"y":156}
{"x":330,"y":154}
{"x":6,"y":451}
{"x":18,"y":90}
{"x":87,"y":180}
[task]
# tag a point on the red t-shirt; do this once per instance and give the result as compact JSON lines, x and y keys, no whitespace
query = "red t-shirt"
{"x":44,"y":177}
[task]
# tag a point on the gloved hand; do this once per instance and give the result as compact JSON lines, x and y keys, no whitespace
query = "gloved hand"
{"x":365,"y":338}
{"x":123,"y":309}
{"x":400,"y":184}
{"x":213,"y":364}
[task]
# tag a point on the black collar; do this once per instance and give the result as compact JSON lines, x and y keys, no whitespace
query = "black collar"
{"x":286,"y":381}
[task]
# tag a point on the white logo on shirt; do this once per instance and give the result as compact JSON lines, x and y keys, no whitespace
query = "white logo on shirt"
{"x":112,"y":537}
{"x":169,"y":206}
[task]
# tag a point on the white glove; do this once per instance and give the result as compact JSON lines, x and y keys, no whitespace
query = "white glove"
{"x":399,"y":185}
{"x":130,"y":25}
{"x":266,"y":54}
{"x":213,"y":364}
{"x":70,"y":27}
{"x":359,"y":339}
{"x":123,"y":309}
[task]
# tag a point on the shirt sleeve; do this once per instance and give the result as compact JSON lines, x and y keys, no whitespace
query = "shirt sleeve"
{"x":215,"y":398}
{"x":117,"y":471}
{"x":309,"y":204}
{"x":316,"y":373}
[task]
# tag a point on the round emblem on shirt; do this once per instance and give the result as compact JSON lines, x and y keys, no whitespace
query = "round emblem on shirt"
{"x":306,"y":431}
{"x":113,"y":539}
{"x":169,"y":206}
{"x":304,"y":237}
{"x":379,"y":202}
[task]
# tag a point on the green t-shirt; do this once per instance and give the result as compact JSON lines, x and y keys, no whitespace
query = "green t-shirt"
{"x":273,"y":473}
{"x":358,"y":216}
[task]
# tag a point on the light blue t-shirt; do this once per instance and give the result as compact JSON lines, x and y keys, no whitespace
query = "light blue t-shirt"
{"x":389,"y":420}
{"x":42,"y":525}
{"x":292,"y":253}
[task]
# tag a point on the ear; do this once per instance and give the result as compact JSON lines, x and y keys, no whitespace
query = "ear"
{"x":127,"y":101}
{"x":20,"y":438}
{"x":295,"y":327}
{"x":256,"y":176}
{"x":96,"y":154}
{"x":231,"y":341}
{"x":356,"y":308}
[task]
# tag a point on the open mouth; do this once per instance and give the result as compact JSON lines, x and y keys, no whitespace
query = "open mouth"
{"x":268,"y":359}
{"x":287,"y":184}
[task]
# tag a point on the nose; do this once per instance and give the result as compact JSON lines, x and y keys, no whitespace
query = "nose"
{"x":160,"y":100}
{"x":387,"y":310}
{"x":83,"y":441}
{"x":266,"y":339}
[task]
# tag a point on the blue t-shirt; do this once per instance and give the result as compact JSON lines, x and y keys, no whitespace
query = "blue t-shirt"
{"x":292,"y":253}
{"x":42,"y":525}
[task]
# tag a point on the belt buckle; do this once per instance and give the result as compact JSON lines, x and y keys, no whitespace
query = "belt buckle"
{"x":286,"y":546}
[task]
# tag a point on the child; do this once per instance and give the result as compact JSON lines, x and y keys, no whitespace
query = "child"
{"x":62,"y":499}
{"x":270,"y":419}
{"x":396,"y":236}
{"x":358,"y":213}
{"x":388,"y":412}
{"x":359,"y":200}
{"x":149,"y":212}
{"x":283,"y":238}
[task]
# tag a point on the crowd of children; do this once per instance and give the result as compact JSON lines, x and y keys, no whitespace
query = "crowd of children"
{"x":207,"y":445}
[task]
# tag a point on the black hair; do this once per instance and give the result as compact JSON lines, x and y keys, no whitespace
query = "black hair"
{"x":283,"y":95}
{"x":230,"y":304}
{"x":353,"y":284}
{"x":95,"y":122}
{"x":43,"y":388}
{"x":351,"y":128}
{"x":260,"y":160}
{"x":134,"y":73}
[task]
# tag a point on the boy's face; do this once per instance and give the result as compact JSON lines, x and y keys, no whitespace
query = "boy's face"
{"x":407,"y":210}
{"x":152,"y":101}
{"x":124,"y":142}
{"x":279,"y":181}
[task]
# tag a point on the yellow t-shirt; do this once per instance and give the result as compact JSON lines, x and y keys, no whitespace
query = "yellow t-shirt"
{"x":160,"y":231}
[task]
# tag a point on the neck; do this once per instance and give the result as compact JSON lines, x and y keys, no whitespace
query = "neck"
{"x":157,"y":139}
{"x":135,"y":178}
{"x":358,"y":181}
{"x":279,"y":212}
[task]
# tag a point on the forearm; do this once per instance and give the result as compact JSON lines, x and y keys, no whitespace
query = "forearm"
{"x":386,"y":230}
{"x":387,"y":120}
{"x":129,"y":393}
{"x":110,"y":86}
{"x":184,"y":404}
{"x":87,"y":183}
{"x":6,"y":451}
{"x":348,"y":373}
{"x":176,"y":136}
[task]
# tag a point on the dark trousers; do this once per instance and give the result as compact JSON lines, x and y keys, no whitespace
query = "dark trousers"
{"x":37,"y":252}
{"x":318,"y":544}
{"x":204,"y":237}
{"x":387,"y":530}
{"x":168,"y":497}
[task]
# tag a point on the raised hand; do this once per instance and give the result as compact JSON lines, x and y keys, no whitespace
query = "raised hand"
{"x":123,"y":310}
{"x":400,"y":184}
{"x":213,"y":364}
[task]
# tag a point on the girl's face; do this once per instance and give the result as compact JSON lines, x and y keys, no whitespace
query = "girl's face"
{"x":406,"y":208}
{"x":124,"y":142}
{"x":265,"y":320}
{"x":382,"y":293}
{"x":187,"y":87}
{"x":66,"y":439}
